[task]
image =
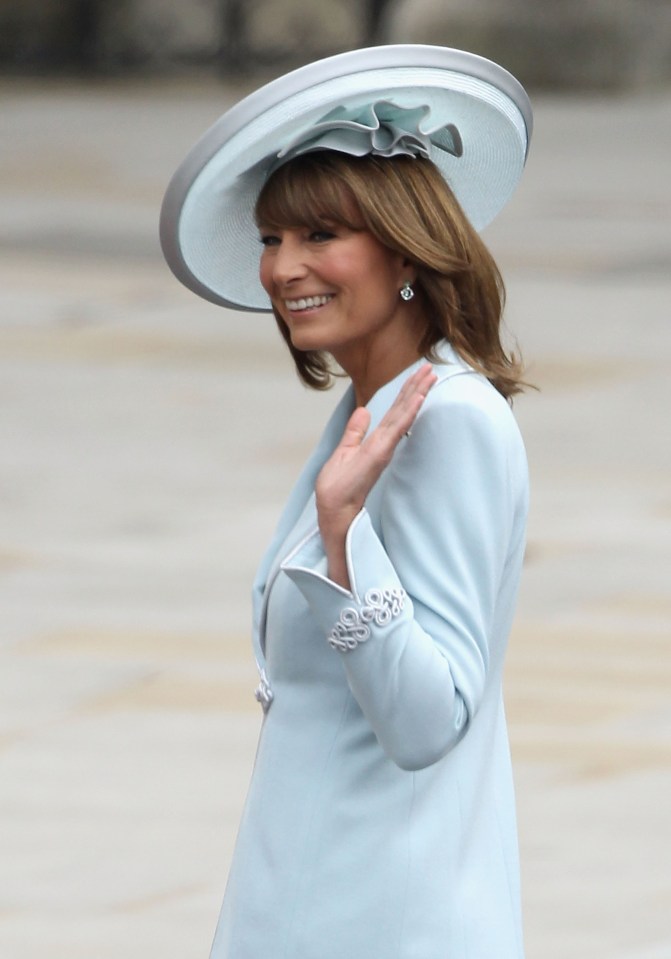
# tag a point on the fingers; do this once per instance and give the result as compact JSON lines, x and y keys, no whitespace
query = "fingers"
{"x":380,"y":444}
{"x":359,"y":459}
{"x":356,"y":428}
{"x":419,"y":383}
{"x":401,"y":415}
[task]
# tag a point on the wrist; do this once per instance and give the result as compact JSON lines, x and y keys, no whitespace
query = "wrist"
{"x":333,"y":529}
{"x":334,"y":524}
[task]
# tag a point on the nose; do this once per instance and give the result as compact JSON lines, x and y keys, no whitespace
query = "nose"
{"x":288,"y":262}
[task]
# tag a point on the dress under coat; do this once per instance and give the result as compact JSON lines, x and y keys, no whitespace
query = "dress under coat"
{"x":380,"y":818}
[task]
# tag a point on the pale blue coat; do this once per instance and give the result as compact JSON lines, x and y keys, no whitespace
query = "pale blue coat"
{"x":380,"y":820}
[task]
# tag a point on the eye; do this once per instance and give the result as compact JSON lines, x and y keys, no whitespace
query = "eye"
{"x":269,"y":239}
{"x":321,"y":236}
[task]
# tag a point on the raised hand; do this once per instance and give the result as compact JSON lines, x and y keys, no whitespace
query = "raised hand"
{"x":358,"y":462}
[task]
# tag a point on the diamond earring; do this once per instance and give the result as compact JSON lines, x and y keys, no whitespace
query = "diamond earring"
{"x":406,"y":291}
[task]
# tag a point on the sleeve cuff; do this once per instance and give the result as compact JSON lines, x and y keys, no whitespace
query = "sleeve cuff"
{"x":375,"y":600}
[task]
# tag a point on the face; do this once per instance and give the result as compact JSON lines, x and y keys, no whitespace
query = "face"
{"x":336,"y":290}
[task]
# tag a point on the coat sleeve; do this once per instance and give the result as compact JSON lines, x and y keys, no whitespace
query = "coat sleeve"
{"x":415,"y":630}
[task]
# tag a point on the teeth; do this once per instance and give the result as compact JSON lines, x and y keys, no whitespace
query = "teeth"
{"x":305,"y":303}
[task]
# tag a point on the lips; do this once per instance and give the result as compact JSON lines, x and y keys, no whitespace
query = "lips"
{"x":308,"y":302}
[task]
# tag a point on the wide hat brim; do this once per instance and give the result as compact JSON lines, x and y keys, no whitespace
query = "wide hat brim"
{"x":207,"y":228}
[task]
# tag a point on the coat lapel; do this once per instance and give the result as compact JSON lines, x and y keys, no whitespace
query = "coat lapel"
{"x":296,"y":503}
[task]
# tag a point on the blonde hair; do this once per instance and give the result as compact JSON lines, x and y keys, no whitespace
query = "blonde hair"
{"x":406,"y":204}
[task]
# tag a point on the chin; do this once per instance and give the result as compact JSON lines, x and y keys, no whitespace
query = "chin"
{"x":307,"y":344}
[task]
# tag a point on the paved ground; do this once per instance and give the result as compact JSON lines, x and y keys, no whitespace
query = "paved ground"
{"x":143,"y":468}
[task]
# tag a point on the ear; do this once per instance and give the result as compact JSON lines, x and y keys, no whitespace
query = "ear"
{"x":408,"y":271}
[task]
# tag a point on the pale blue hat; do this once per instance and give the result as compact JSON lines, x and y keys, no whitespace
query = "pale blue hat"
{"x":467,"y":114}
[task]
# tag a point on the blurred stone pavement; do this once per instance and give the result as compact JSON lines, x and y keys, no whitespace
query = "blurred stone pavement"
{"x":148,"y":441}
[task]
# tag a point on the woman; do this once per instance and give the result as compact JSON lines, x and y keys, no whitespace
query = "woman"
{"x":380,"y":817}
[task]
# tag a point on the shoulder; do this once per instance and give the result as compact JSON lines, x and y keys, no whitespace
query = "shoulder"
{"x":463,"y":401}
{"x":464,"y":436}
{"x":464,"y":453}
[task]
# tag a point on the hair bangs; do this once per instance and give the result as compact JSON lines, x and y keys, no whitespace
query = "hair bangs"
{"x":303,"y":193}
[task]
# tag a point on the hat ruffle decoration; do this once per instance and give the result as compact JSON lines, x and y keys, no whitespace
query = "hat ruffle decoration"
{"x":381,"y":128}
{"x":469,"y":116}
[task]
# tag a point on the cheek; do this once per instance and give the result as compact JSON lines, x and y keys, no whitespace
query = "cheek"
{"x":265,"y":272}
{"x":378,"y":284}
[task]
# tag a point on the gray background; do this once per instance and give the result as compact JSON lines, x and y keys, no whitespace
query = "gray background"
{"x":147,"y":443}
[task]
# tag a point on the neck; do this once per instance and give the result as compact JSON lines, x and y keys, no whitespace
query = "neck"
{"x":372,"y":365}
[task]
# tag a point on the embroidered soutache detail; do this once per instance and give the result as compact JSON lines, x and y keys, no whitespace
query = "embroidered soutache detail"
{"x":380,"y":606}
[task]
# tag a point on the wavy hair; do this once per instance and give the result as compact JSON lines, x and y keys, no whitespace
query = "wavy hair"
{"x":407,"y":205}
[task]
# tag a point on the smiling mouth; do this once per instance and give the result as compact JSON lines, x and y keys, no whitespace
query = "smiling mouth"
{"x":308,"y":302}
